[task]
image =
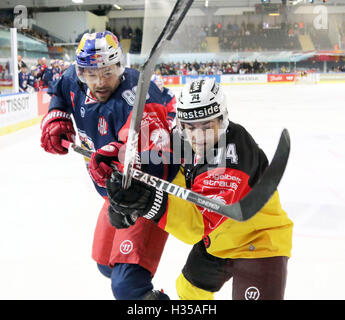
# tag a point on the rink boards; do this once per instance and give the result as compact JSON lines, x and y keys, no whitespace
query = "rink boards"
{"x":21,"y":110}
{"x":267,"y":78}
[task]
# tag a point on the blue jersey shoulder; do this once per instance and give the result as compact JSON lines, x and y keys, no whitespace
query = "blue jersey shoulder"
{"x":130,"y":80}
{"x":167,"y":95}
{"x":98,"y":123}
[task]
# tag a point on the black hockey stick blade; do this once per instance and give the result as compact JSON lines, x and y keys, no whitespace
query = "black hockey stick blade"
{"x":178,"y":13}
{"x":243,"y":210}
{"x":263,"y":190}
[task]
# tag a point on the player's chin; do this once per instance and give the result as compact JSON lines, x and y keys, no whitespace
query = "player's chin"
{"x":199,"y":148}
{"x":102,"y":95}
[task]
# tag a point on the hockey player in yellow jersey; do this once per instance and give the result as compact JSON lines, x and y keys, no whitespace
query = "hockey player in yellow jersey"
{"x":224,"y":163}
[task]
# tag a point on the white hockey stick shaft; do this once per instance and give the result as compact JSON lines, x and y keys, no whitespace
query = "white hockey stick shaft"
{"x":178,"y":13}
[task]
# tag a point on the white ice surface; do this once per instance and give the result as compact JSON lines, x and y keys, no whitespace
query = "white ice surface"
{"x":49,"y":207}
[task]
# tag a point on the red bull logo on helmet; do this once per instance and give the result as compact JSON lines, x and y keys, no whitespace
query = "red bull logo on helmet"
{"x":97,"y":58}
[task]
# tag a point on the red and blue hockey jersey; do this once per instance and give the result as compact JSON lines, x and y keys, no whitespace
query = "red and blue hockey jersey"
{"x":99,"y":123}
{"x":169,"y":100}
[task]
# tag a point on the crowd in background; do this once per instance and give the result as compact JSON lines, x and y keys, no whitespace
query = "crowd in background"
{"x":230,"y":67}
{"x":210,"y":68}
{"x":233,"y":36}
{"x":250,"y":37}
{"x":38,"y":76}
{"x":190,"y":38}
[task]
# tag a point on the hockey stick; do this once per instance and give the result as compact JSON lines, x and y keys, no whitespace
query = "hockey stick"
{"x":175,"y":19}
{"x":242,"y":210}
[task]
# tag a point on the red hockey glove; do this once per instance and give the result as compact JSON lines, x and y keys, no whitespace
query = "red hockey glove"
{"x":100,"y":162}
{"x":56,"y":125}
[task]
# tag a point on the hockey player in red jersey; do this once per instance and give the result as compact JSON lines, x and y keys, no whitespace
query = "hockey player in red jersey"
{"x":98,"y":93}
{"x":168,"y":98}
{"x":221,"y":161}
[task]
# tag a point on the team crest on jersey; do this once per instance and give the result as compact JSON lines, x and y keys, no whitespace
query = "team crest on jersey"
{"x":102,"y":126}
{"x":160,"y":137}
{"x":149,"y":118}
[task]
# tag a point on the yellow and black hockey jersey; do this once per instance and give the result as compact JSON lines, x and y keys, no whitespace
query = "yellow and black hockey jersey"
{"x":267,"y":234}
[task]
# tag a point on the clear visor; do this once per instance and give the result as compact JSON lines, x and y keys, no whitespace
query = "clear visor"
{"x":93,"y":75}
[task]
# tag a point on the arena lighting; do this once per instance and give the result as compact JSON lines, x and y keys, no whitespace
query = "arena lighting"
{"x":274,"y":14}
{"x":78,"y":1}
{"x":294,"y":2}
{"x":117,"y":7}
{"x":206,"y":3}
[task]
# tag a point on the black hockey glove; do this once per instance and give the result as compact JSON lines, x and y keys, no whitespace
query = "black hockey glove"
{"x":139,"y":200}
{"x":119,"y":220}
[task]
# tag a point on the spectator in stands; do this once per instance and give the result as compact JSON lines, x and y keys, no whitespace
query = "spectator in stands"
{"x":44,"y":62}
{"x":205,"y":29}
{"x":49,"y":74}
{"x":136,"y":41}
{"x":42,"y":66}
{"x":21,"y":63}
{"x":7,"y":70}
{"x":65,"y":66}
{"x":193,"y":72}
{"x":23,"y":79}
{"x":214,"y":30}
{"x":184,"y":69}
{"x":56,"y":69}
{"x":2,"y":72}
{"x":39,"y":63}
{"x":124,"y":32}
{"x":32,"y":80}
{"x":130,"y":32}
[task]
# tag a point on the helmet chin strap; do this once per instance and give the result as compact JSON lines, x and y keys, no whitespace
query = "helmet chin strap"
{"x":82,"y":88}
